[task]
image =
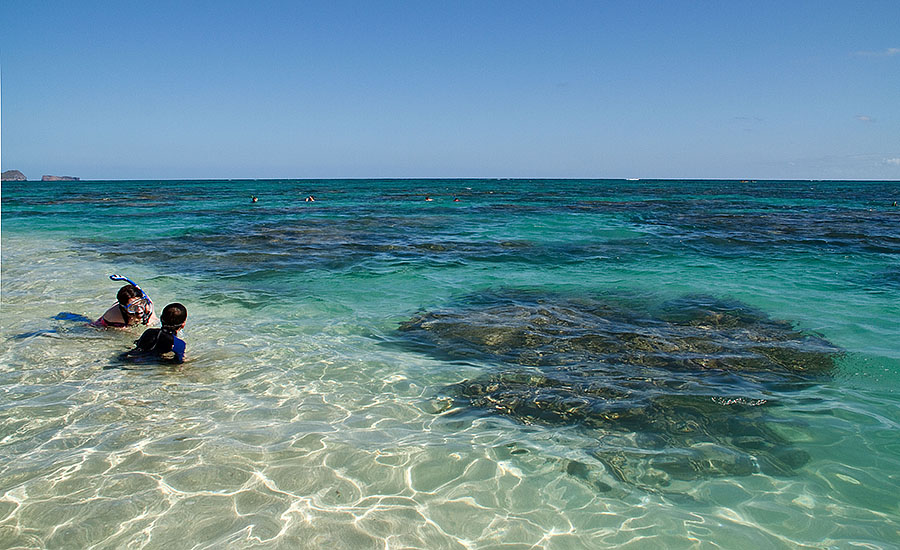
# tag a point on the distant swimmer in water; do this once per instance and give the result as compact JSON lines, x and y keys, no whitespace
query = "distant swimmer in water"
{"x":132,"y":307}
{"x":455,"y":199}
{"x":253,"y":199}
{"x":427,"y":198}
{"x":163,"y":343}
{"x":310,"y":199}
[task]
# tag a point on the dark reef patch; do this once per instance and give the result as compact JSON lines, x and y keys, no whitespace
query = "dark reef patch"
{"x":672,"y":391}
{"x":239,"y":248}
{"x":735,"y":227}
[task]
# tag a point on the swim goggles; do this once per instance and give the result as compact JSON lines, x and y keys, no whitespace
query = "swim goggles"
{"x":138,"y":306}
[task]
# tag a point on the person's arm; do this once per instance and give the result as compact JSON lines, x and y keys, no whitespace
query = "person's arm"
{"x":141,"y":345}
{"x":147,"y":340}
{"x":178,"y":347}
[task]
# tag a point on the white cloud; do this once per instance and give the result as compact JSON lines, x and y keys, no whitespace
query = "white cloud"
{"x":864,"y":118}
{"x":894,"y":161}
{"x":882,"y":53}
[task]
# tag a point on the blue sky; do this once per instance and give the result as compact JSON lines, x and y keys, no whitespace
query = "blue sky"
{"x":629,"y":89}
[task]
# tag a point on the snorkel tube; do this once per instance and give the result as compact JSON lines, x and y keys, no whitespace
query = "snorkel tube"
{"x":148,"y":311}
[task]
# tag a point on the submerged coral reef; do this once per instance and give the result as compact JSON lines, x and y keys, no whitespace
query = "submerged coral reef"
{"x":675,"y":390}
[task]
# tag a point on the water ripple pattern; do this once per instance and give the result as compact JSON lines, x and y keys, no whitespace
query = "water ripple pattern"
{"x":545,"y":364}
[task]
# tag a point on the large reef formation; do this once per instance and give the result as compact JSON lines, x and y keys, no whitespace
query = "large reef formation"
{"x":672,"y":391}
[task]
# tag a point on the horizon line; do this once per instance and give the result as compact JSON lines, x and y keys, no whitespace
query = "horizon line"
{"x":462,"y":178}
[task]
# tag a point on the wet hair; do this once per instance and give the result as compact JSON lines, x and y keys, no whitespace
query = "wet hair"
{"x":173,"y":316}
{"x":127,"y":292}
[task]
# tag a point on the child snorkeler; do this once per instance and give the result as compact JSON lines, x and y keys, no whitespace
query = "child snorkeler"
{"x":163,"y":343}
{"x":133,"y":307}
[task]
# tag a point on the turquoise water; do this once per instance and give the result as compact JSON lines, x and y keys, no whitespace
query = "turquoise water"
{"x":542,"y":364}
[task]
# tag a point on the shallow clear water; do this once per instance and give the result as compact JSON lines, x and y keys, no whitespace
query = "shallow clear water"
{"x":310,"y":414}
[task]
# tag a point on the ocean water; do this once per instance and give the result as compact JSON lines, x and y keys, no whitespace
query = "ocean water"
{"x":541,"y":364}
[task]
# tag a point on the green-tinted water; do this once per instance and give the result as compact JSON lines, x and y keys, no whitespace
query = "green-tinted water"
{"x":307,"y":416}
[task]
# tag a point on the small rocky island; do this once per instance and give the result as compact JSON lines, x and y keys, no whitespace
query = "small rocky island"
{"x":13,"y":175}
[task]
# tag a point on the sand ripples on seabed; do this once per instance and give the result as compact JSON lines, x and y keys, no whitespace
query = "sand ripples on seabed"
{"x":544,"y":364}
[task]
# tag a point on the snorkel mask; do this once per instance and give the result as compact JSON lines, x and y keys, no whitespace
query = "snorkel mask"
{"x":137,"y":307}
{"x":142,"y":306}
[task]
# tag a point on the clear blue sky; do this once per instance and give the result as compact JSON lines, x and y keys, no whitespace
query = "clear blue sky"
{"x":666,"y":89}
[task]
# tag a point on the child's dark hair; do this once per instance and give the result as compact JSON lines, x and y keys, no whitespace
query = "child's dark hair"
{"x":126,"y":293}
{"x":173,"y":316}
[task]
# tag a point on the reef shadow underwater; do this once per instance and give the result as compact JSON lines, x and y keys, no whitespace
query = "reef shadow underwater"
{"x":670,"y":391}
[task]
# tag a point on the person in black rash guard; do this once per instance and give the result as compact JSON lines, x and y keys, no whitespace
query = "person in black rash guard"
{"x":163,"y":343}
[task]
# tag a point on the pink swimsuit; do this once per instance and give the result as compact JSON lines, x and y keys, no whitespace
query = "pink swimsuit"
{"x":103,"y":323}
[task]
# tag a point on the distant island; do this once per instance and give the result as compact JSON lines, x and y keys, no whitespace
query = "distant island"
{"x":13,"y":175}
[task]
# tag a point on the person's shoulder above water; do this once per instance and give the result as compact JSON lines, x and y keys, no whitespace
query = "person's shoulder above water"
{"x":111,"y":318}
